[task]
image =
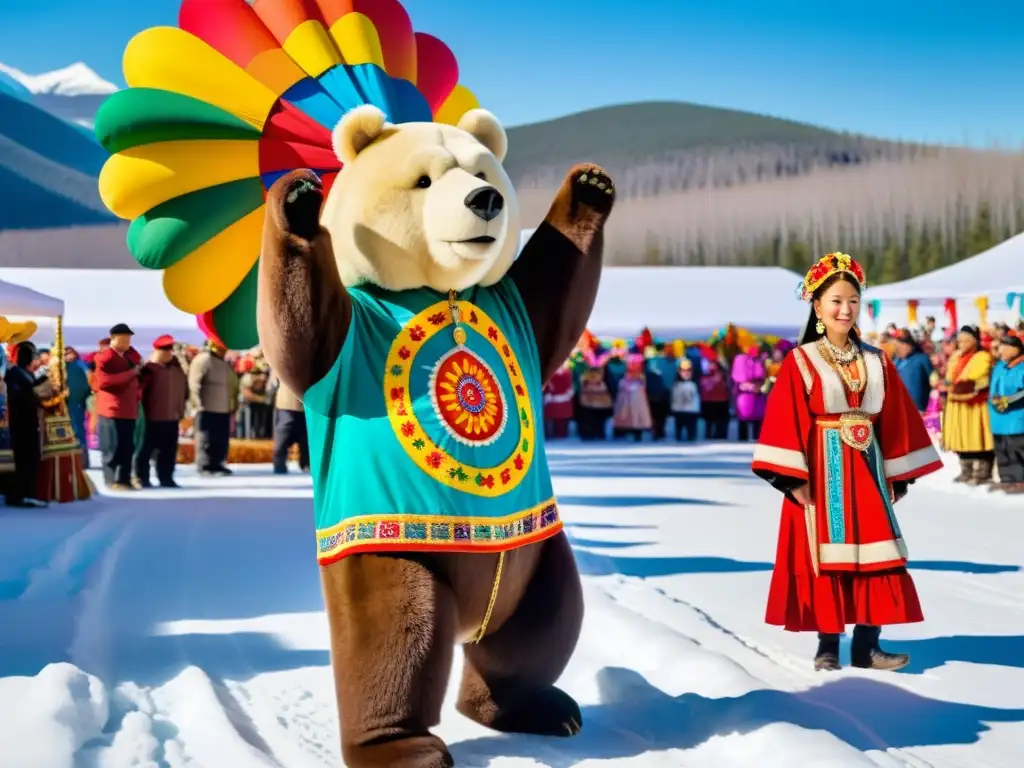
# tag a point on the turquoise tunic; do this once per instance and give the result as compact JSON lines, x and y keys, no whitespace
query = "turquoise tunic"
{"x":419,"y":442}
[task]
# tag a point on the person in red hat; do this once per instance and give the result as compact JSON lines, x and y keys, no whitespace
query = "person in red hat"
{"x":164,"y":395}
{"x":116,"y":383}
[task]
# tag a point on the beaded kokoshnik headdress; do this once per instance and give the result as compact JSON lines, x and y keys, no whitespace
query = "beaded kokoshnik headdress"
{"x":828,"y":265}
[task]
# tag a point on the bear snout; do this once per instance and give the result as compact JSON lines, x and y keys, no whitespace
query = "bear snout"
{"x":485,"y":203}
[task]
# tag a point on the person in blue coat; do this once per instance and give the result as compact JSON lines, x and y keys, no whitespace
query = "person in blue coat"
{"x":914,"y":368}
{"x":79,"y":391}
{"x":1006,"y":402}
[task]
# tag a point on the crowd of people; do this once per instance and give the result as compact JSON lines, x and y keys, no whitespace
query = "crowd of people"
{"x":136,"y":410}
{"x":968,"y":386}
{"x":964,"y":383}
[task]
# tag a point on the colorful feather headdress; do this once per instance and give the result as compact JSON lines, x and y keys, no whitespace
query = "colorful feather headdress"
{"x":242,"y":93}
{"x":828,"y":265}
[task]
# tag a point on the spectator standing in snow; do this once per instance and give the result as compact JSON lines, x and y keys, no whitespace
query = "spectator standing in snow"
{"x":116,"y":382}
{"x":164,"y":395}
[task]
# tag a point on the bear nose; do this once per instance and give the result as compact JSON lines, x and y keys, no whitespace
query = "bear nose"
{"x":485,"y":202}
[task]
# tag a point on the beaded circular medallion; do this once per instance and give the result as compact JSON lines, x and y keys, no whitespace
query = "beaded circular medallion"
{"x":466,"y":395}
{"x":467,"y":398}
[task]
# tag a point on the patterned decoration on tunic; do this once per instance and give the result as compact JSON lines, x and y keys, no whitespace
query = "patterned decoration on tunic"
{"x":467,"y":398}
{"x":397,"y":532}
{"x":855,"y":430}
{"x":833,"y":447}
{"x":421,"y":448}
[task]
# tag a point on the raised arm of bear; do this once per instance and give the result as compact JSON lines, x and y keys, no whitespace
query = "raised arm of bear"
{"x":559,"y":269}
{"x":303,"y":310}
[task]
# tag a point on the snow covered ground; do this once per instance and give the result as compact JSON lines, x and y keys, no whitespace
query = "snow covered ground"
{"x":186,"y":629}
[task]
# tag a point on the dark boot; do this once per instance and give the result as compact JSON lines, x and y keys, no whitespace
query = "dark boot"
{"x":827,"y":657}
{"x":982,"y":472}
{"x":966,"y":471}
{"x":865,"y":652}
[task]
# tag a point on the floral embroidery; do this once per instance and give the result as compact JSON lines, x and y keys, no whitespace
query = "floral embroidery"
{"x":467,"y":398}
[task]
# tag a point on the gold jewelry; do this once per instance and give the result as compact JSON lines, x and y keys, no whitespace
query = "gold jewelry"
{"x":820,"y":326}
{"x":458,"y":332}
{"x":829,"y":352}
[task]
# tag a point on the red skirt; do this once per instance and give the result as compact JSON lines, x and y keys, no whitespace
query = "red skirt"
{"x":799,"y":601}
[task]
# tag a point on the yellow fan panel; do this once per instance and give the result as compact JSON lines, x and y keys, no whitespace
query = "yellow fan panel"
{"x":275,"y":69}
{"x":358,"y":40}
{"x":458,"y":103}
{"x":312,"y":48}
{"x":207,"y":276}
{"x":135,"y":180}
{"x":174,"y":60}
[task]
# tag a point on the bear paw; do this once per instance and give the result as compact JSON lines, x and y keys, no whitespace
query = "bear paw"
{"x":550,"y":712}
{"x":300,"y":205}
{"x":593,"y":188}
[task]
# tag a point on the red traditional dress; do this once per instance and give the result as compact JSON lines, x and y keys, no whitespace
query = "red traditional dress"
{"x":854,"y":433}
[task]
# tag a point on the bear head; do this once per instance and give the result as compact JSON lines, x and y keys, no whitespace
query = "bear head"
{"x":421,"y":204}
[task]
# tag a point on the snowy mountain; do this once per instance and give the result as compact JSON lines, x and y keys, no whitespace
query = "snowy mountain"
{"x":48,"y":166}
{"x":73,"y":93}
{"x":75,"y":80}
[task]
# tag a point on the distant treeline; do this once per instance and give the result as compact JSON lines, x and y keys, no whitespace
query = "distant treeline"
{"x":902,"y":209}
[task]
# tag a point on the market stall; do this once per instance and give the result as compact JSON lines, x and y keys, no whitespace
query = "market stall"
{"x":61,"y":475}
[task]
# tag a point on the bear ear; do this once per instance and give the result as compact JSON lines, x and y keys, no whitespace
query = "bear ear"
{"x":485,"y":128}
{"x":357,"y":130}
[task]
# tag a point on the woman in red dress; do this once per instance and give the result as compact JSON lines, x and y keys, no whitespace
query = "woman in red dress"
{"x":842,"y":440}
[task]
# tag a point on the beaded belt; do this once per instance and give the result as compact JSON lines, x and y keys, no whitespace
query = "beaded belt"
{"x":855,"y":428}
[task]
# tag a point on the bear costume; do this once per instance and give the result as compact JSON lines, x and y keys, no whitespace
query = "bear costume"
{"x":419,"y":343}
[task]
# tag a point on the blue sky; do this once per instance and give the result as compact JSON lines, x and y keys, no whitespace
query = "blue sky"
{"x":934,"y":70}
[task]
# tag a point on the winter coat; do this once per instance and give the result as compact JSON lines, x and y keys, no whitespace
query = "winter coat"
{"x":558,"y":395}
{"x":685,"y":397}
{"x":1006,"y":381}
{"x":915,"y":370}
{"x":164,"y":391}
{"x":748,"y":376}
{"x":213,"y":384}
{"x":116,"y":383}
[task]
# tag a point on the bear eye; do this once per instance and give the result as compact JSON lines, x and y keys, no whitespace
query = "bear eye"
{"x":423,"y":182}
{"x":482,"y":176}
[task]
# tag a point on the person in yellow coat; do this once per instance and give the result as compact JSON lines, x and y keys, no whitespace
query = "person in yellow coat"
{"x":965,"y":424}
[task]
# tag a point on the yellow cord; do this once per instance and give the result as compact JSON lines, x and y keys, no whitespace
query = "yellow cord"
{"x":493,"y":600}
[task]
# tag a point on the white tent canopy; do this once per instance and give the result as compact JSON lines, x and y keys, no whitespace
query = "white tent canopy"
{"x":993,"y":273}
{"x":695,"y":302}
{"x":19,"y":301}
{"x":97,"y":299}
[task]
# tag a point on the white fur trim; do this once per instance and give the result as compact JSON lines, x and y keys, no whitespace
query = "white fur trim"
{"x":833,"y":390}
{"x":565,"y":397}
{"x":780,"y":457}
{"x":863,"y":554}
{"x":874,"y":389}
{"x":805,"y":373}
{"x":913,"y":461}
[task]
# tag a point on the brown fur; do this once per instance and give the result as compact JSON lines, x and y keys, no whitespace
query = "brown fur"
{"x":394,"y":618}
{"x":559,"y":270}
{"x":302,"y":310}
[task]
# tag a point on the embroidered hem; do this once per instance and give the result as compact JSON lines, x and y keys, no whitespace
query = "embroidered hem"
{"x":437,"y":533}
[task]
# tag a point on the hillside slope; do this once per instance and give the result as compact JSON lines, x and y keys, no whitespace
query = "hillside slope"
{"x":48,"y":170}
{"x":627,"y":135}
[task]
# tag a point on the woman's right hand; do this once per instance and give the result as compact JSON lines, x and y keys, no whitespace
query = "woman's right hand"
{"x":802,"y":494}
